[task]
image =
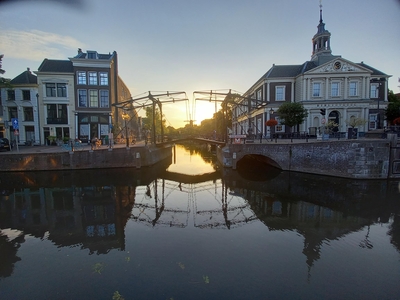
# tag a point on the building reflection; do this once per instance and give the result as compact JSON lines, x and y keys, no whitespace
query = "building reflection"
{"x":81,"y":210}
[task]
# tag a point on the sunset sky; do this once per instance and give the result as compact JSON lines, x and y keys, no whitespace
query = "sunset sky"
{"x":187,"y":45}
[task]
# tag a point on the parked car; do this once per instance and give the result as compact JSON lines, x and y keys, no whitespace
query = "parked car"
{"x":5,"y":144}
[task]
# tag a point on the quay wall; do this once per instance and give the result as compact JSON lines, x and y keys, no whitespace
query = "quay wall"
{"x":101,"y":158}
{"x":356,"y":159}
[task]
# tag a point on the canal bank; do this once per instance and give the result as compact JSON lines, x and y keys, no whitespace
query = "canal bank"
{"x":44,"y":158}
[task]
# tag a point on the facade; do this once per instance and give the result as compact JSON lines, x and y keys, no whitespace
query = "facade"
{"x":56,"y":100}
{"x":330,"y":88}
{"x":97,"y":86}
{"x":19,"y":102}
{"x":75,"y":97}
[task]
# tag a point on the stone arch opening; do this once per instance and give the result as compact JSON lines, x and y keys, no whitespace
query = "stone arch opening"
{"x":258,"y":167}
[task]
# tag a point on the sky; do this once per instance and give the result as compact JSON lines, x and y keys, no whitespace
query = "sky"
{"x":192,"y":45}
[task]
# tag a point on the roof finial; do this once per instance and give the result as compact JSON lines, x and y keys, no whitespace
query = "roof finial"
{"x":320,"y":11}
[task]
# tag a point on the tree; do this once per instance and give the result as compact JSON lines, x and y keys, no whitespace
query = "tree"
{"x":292,"y":114}
{"x":355,"y":122}
{"x":393,"y":111}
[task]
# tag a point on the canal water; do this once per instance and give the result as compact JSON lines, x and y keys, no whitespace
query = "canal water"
{"x":187,"y":229}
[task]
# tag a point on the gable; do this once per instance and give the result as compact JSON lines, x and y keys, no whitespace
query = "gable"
{"x":339,"y":66}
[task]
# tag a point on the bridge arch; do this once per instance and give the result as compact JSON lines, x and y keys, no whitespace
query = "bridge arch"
{"x":259,"y":158}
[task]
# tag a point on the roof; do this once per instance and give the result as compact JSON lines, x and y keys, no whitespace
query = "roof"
{"x":82,"y":54}
{"x":53,"y":65}
{"x":25,"y":78}
{"x":374,"y":71}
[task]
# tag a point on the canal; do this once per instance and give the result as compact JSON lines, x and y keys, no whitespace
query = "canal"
{"x":187,"y":229}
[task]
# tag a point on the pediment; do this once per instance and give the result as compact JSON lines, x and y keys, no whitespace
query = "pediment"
{"x":339,"y":65}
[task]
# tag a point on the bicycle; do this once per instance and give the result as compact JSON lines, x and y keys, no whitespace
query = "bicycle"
{"x":75,"y":146}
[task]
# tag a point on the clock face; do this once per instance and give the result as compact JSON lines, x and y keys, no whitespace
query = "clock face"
{"x":337,"y":65}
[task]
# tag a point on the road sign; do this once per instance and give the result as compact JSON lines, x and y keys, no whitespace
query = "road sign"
{"x":16,"y":132}
{"x":15,"y":124}
{"x":323,"y":121}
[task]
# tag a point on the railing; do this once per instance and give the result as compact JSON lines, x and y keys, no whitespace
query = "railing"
{"x":57,"y":121}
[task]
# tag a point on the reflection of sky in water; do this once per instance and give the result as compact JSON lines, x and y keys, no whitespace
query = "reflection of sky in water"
{"x":191,"y":164}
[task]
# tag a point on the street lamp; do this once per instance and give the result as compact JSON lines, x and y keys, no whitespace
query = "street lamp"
{"x":125,"y":116}
{"x":271,"y":111}
{"x":38,"y":115}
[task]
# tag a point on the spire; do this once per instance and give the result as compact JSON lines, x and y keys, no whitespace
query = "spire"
{"x":321,"y":40}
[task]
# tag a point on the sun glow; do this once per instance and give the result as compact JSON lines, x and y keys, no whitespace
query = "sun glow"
{"x":205,"y":110}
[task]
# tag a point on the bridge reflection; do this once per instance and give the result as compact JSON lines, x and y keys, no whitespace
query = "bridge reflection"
{"x":91,"y":209}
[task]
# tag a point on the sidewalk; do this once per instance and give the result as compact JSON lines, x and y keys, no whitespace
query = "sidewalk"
{"x":53,"y":149}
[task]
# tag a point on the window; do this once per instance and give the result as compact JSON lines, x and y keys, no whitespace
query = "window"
{"x":28,"y":113}
{"x":259,"y":94}
{"x":92,"y":54}
{"x":94,"y":98}
{"x":26,"y":95}
{"x":374,"y":93}
{"x":61,"y":90}
{"x":10,"y":95}
{"x":280,"y":93}
{"x":56,"y":90}
{"x":81,"y":77}
{"x":57,"y":114}
{"x":103,"y":78}
{"x":335,"y":89}
{"x":82,"y":98}
{"x":373,"y":118}
{"x":92,"y":78}
{"x":104,"y":98}
{"x":12,"y":112}
{"x":316,"y":89}
{"x":279,"y":127}
{"x":353,"y":89}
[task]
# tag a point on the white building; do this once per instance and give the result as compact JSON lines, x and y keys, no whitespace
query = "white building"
{"x":19,"y":103}
{"x":327,"y":83}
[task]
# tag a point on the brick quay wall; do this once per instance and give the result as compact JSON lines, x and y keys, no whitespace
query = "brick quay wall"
{"x":86,"y":159}
{"x":357,"y":159}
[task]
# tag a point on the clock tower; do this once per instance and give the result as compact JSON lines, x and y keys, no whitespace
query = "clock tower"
{"x":321,"y":40}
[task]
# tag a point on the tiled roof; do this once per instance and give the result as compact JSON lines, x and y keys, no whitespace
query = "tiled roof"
{"x":374,"y":71}
{"x":53,"y":65}
{"x":284,"y":71}
{"x":25,"y":78}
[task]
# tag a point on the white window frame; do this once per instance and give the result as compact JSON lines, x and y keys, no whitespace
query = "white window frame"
{"x":373,"y":122}
{"x":103,"y":78}
{"x":279,"y":127}
{"x":337,"y":84}
{"x":79,"y":98}
{"x":81,"y":78}
{"x":93,"y":80}
{"x":104,"y":99}
{"x":316,"y":92}
{"x":259,"y":94}
{"x":95,"y":95}
{"x":283,"y":88}
{"x":374,"y":91}
{"x":353,"y":88}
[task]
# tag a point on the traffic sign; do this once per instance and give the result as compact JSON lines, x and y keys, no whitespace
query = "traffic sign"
{"x":323,"y":121}
{"x":15,"y":124}
{"x":16,"y":132}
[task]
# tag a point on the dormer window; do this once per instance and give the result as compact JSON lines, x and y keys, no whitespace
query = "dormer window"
{"x":92,"y":55}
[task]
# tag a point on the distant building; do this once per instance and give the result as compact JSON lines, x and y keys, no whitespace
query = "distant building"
{"x":76,"y":96}
{"x":19,"y":102}
{"x":97,"y":86}
{"x":329,"y":84}
{"x":56,"y":100}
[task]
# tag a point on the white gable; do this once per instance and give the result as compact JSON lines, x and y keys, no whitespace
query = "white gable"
{"x":339,"y":65}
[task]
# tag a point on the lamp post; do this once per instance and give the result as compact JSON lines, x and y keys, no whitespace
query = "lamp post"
{"x":38,"y":115}
{"x":125,"y":116}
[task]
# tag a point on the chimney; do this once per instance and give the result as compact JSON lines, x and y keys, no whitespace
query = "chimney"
{"x":79,"y":51}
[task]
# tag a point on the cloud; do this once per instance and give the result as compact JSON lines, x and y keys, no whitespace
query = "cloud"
{"x":36,"y":45}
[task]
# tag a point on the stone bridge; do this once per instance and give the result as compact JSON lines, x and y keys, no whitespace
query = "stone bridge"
{"x":357,"y":159}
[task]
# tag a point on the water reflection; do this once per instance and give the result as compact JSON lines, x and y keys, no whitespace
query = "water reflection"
{"x":92,"y":209}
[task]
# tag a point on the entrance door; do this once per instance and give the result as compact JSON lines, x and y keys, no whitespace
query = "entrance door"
{"x":94,"y":130}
